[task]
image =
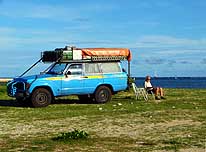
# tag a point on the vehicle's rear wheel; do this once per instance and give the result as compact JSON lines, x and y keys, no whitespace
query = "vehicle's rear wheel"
{"x":41,"y":97}
{"x":103,"y":94}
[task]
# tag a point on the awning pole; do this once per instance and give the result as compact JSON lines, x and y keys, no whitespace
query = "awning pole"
{"x":129,"y":69}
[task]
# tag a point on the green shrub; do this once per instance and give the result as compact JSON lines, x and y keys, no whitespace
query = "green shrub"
{"x":73,"y":135}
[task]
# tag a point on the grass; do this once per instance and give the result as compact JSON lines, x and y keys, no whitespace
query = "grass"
{"x":123,"y":125}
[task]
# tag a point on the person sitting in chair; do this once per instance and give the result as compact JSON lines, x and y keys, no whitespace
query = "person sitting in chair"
{"x":156,"y":90}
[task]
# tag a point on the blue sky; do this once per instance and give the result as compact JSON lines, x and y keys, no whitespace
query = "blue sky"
{"x":166,"y":37}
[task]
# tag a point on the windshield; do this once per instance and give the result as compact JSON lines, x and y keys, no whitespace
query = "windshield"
{"x":58,"y":68}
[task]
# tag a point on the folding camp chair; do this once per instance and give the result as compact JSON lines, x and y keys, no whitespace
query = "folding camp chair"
{"x":139,"y":92}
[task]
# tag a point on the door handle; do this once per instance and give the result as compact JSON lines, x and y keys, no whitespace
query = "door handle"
{"x":85,"y":76}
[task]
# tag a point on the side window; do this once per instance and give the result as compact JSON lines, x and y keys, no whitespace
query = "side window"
{"x":75,"y":69}
{"x":91,"y":68}
{"x":110,"y":67}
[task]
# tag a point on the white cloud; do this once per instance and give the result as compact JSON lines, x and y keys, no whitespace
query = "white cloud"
{"x":159,"y":41}
{"x":68,"y":35}
{"x":151,"y":4}
{"x":35,"y":11}
{"x":60,"y":12}
{"x":6,"y":30}
{"x":180,"y":51}
{"x":29,"y":9}
{"x":6,"y":42}
{"x":10,"y":66}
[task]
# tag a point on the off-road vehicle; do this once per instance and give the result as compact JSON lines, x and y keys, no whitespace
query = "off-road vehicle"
{"x":93,"y":74}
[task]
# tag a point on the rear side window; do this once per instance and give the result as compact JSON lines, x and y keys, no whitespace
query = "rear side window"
{"x":91,"y":68}
{"x":111,"y":67}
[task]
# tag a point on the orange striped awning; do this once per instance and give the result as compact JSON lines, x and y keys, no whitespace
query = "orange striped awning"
{"x":107,"y":52}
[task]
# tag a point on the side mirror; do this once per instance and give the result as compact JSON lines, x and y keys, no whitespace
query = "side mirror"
{"x":68,"y":73}
{"x":123,"y":70}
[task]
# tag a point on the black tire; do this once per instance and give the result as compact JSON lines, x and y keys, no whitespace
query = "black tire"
{"x":41,"y":97}
{"x":103,"y":94}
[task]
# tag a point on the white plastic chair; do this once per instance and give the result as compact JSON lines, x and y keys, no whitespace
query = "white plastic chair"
{"x":139,"y":92}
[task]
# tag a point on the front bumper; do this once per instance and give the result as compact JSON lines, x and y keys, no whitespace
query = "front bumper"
{"x":16,"y":89}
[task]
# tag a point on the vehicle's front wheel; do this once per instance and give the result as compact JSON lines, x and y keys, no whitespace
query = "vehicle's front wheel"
{"x":41,"y":97}
{"x":103,"y":94}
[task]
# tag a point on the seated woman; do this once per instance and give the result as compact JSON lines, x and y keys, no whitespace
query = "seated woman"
{"x":156,"y":90}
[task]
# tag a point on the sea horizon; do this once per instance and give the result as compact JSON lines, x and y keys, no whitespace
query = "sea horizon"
{"x":165,"y":82}
{"x":2,"y":77}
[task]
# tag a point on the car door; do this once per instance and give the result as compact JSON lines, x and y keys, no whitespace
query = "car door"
{"x":72,"y":83}
{"x":92,"y":77}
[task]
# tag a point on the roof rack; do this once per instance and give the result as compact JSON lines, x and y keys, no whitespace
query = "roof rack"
{"x":69,"y":54}
{"x":73,"y":54}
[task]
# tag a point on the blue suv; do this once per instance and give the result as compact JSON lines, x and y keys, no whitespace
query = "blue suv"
{"x":92,"y":81}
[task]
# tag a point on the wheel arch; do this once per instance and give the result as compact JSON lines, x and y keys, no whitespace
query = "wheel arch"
{"x":107,"y":85}
{"x":45,"y":87}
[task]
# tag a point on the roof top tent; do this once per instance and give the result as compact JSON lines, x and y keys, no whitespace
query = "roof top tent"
{"x":73,"y":54}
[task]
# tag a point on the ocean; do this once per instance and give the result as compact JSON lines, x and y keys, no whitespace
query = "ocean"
{"x":171,"y":82}
{"x":175,"y":82}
